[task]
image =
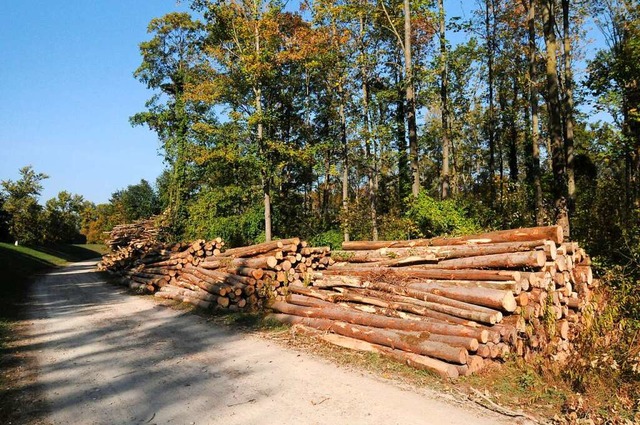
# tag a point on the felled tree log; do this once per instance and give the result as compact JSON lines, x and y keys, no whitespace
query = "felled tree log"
{"x":302,"y":296}
{"x":253,"y":250}
{"x":504,"y":299}
{"x":553,"y":233}
{"x":533,"y":259}
{"x":414,"y":342}
{"x":420,"y":273}
{"x":424,"y":303}
{"x":392,"y":256}
{"x":267,"y":262}
{"x":366,"y":319}
{"x":494,"y":298}
{"x":417,"y":361}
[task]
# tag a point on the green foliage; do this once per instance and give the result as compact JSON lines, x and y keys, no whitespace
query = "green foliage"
{"x":394,"y":226}
{"x":95,"y":220}
{"x":62,"y":219}
{"x":21,"y":204}
{"x":4,"y":220}
{"x":608,"y":368}
{"x":436,"y":218}
{"x":171,"y":60}
{"x":136,"y":202}
{"x":228,"y":212}
{"x":332,"y":238}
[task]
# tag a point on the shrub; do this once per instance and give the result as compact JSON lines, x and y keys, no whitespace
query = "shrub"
{"x":435,"y":218}
{"x":332,"y":238}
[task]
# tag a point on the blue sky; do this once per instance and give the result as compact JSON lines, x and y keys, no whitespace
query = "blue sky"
{"x":67,"y":92}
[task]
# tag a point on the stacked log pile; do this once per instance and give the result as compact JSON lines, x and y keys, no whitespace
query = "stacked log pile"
{"x":450,"y":305}
{"x":204,"y":274}
{"x":129,"y":242}
{"x":135,"y":235}
{"x":241,"y":278}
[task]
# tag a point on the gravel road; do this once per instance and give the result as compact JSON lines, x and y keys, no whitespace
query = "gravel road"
{"x":106,"y":357}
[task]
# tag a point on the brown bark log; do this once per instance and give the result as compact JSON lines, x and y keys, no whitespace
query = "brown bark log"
{"x":418,"y":273}
{"x":404,"y":311}
{"x":438,"y":299}
{"x":373,"y":320}
{"x":414,"y":342}
{"x":417,"y":361}
{"x":389,"y":256}
{"x":533,"y":259}
{"x":250,"y":251}
{"x":423,"y":307}
{"x":493,"y":298}
{"x":268,"y":262}
{"x":553,"y":233}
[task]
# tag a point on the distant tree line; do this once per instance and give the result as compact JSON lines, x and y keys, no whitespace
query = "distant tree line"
{"x":67,"y":218}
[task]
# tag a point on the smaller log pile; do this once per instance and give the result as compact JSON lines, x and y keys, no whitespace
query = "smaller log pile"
{"x":450,"y":305}
{"x":135,"y":235}
{"x":204,"y":275}
{"x":155,"y":269}
{"x":129,"y":242}
{"x":241,"y":278}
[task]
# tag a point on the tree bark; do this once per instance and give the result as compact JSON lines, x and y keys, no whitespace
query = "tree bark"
{"x":373,"y":320}
{"x":533,"y":104}
{"x":345,"y":163}
{"x":370,"y":153}
{"x":555,"y":115}
{"x":416,"y":273}
{"x":552,"y":233}
{"x":411,"y":101}
{"x":489,"y":10}
{"x":444,"y":107}
{"x":568,"y":107}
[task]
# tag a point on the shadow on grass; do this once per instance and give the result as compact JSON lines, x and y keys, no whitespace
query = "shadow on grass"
{"x":74,"y":253}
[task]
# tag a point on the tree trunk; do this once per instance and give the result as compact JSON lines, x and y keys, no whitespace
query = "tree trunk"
{"x":513,"y":133}
{"x":446,"y":180}
{"x":533,"y":100}
{"x":568,"y":107}
{"x":555,"y":115}
{"x":411,"y":101}
{"x":345,"y":163}
{"x":266,"y":179}
{"x":491,"y":119}
{"x":404,"y":178}
{"x":370,"y":154}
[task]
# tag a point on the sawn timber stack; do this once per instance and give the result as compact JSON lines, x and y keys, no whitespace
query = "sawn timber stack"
{"x":449,"y":305}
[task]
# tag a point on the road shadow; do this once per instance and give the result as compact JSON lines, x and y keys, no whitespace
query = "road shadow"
{"x":96,"y":348}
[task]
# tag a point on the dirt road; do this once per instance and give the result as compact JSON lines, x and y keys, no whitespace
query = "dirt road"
{"x":110,"y":358}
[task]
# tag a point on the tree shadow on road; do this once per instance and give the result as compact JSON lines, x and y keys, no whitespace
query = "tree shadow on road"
{"x":99,"y":349}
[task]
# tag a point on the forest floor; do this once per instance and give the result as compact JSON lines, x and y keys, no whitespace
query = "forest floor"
{"x":95,"y":354}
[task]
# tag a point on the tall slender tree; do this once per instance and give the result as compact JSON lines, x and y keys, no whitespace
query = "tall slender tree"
{"x":444,"y":103}
{"x":554,"y":111}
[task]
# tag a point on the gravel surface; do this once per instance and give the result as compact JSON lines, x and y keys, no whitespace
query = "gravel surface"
{"x":106,"y":357}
